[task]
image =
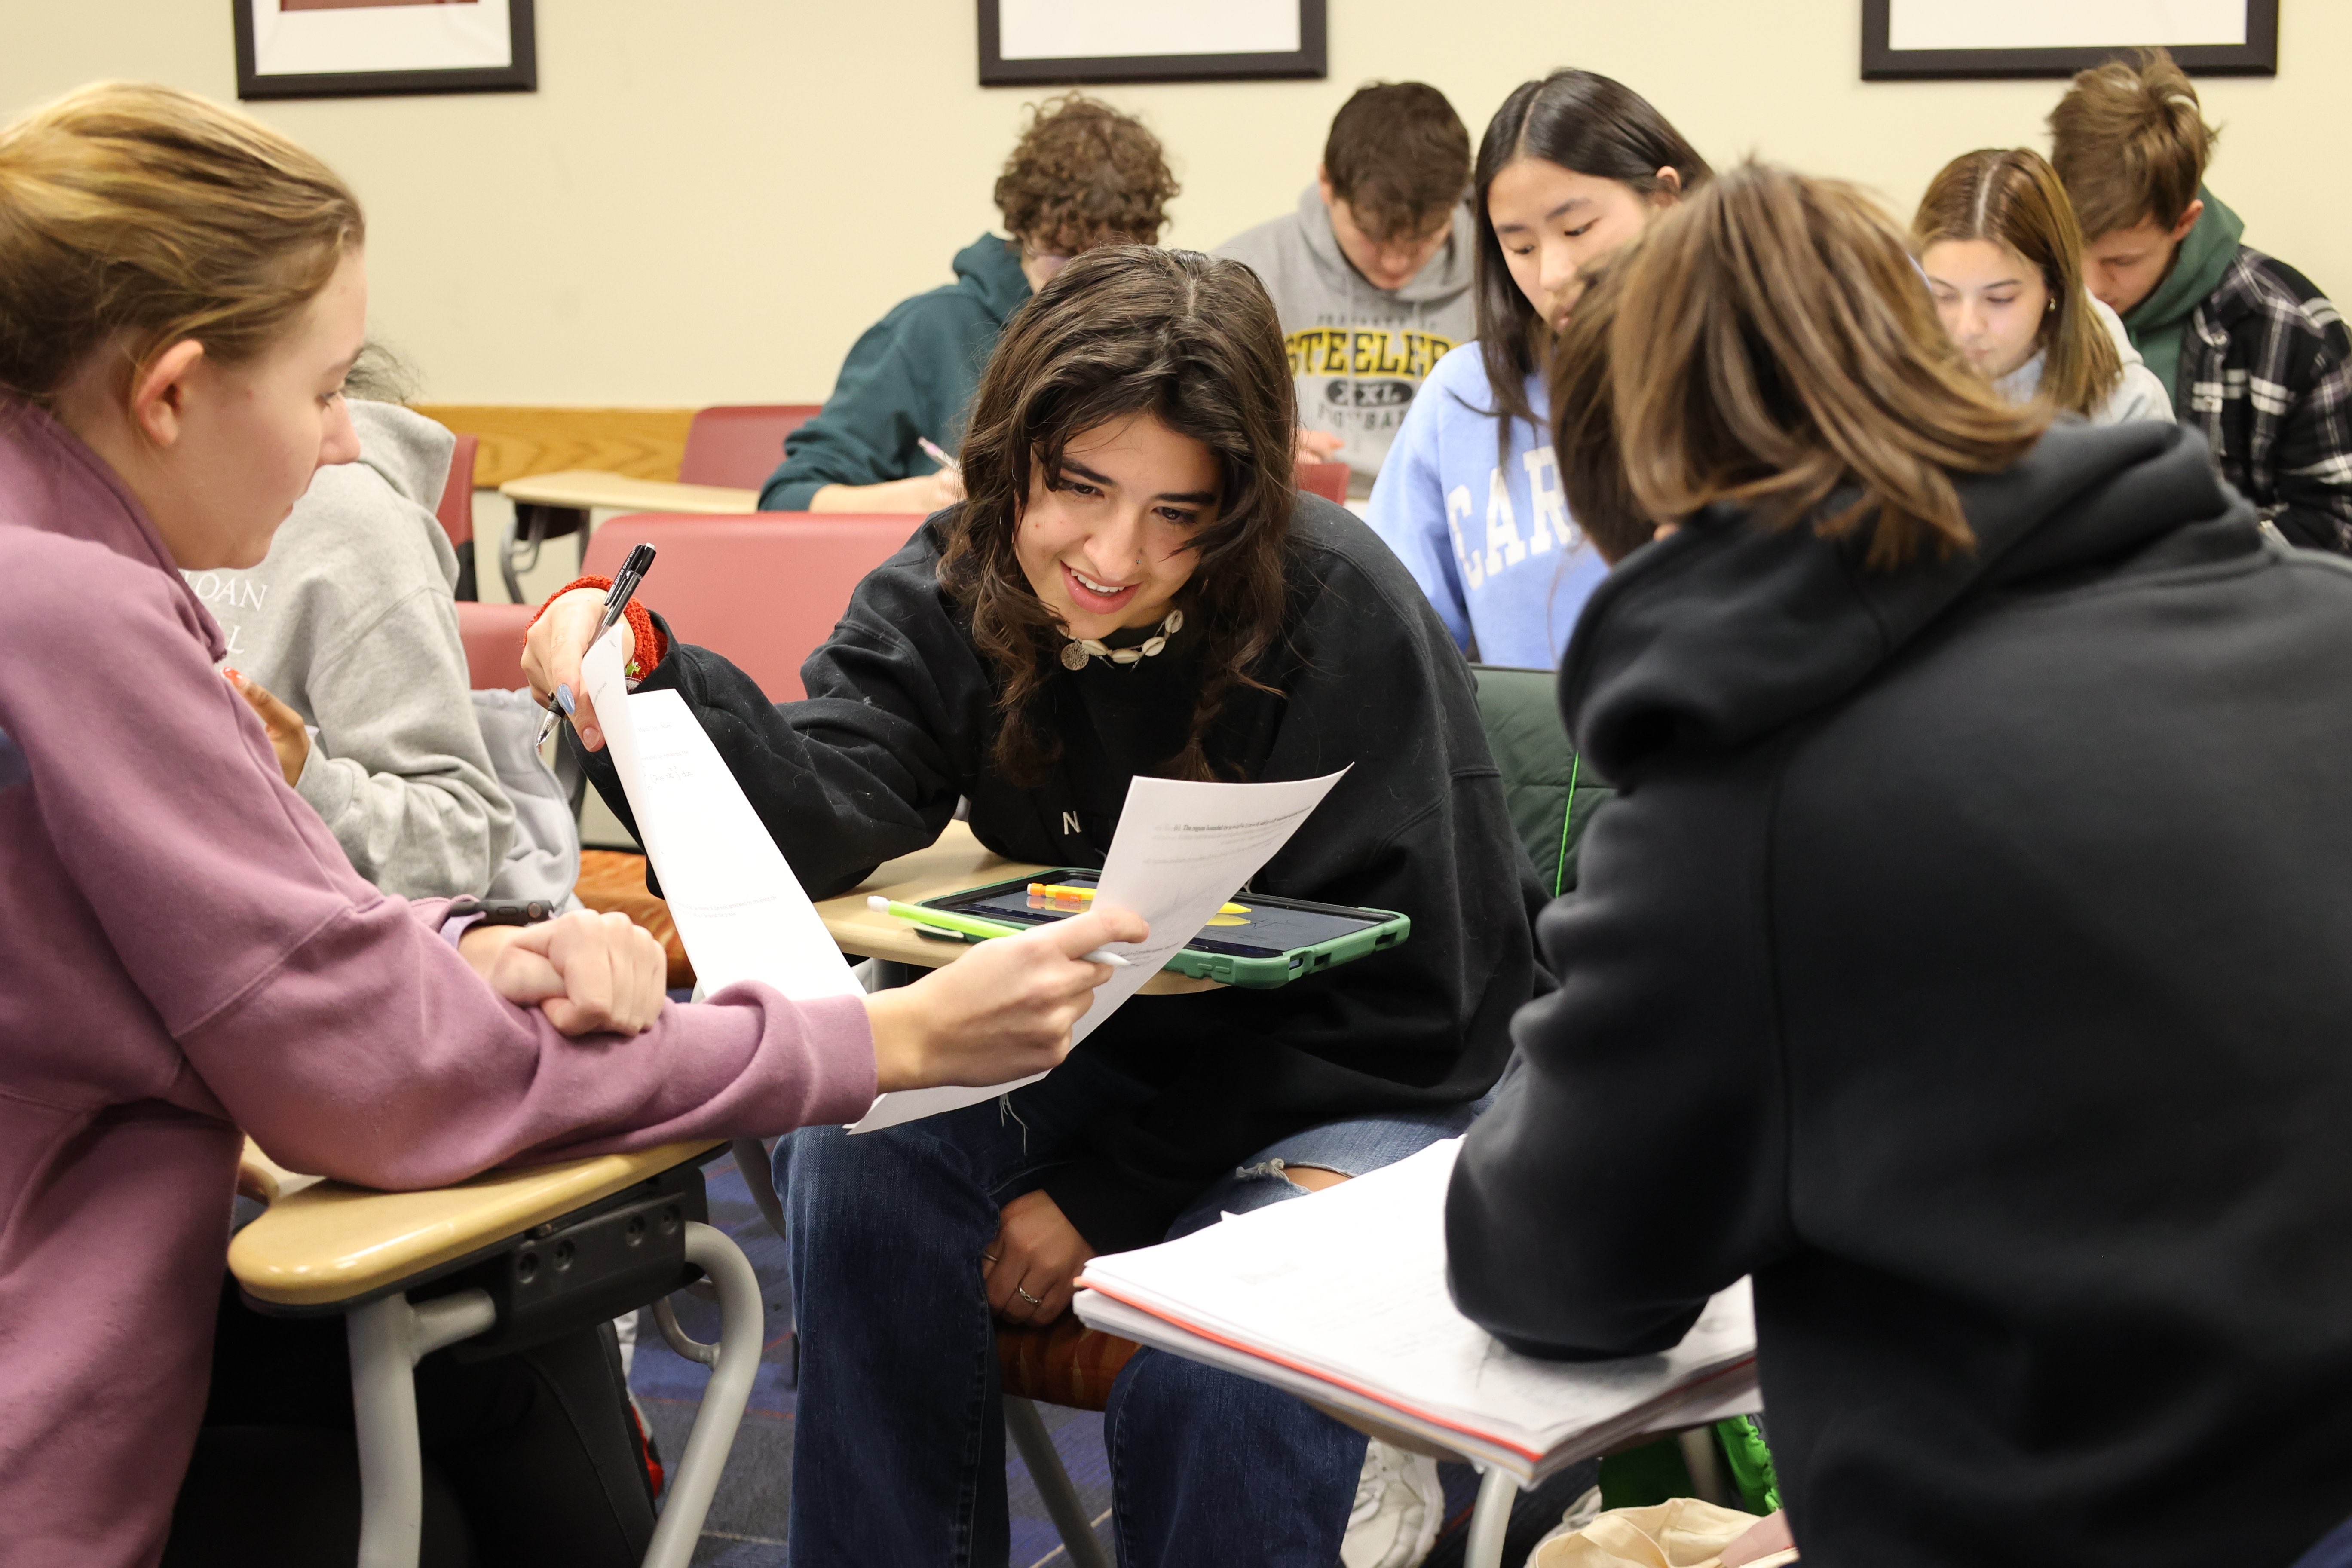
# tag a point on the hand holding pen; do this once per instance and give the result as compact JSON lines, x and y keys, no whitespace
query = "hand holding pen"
{"x":616,"y":605}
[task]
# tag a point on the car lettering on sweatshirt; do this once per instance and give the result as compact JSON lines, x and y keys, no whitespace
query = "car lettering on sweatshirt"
{"x":1503,"y":547}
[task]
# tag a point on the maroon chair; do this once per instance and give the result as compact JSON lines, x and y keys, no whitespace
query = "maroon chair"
{"x":456,"y":510}
{"x":493,"y":637}
{"x":762,"y":589}
{"x":739,"y":445}
{"x":1329,"y":480}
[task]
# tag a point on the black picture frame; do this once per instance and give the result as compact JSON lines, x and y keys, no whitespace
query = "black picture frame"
{"x":1309,"y":60}
{"x":522,"y":75}
{"x":2258,"y":56}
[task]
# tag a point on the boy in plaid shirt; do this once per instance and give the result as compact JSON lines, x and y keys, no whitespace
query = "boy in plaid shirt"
{"x":2257,"y":359}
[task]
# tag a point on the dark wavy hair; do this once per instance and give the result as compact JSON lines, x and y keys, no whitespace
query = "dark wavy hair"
{"x":1125,"y":330}
{"x":1585,"y":122}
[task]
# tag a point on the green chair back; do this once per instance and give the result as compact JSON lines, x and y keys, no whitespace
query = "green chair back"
{"x":1551,"y":799}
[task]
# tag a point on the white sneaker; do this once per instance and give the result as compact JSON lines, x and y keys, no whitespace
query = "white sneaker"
{"x":1399,"y":1507}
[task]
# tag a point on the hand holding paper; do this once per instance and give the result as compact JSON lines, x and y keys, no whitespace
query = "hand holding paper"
{"x":1183,"y":847}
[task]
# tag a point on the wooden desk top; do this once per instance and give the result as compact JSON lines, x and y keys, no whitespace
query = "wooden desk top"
{"x":330,"y":1243}
{"x":957,"y":861}
{"x":588,"y":488}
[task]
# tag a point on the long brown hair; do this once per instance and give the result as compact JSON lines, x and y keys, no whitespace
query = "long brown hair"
{"x":1193,"y":341}
{"x":135,"y":216}
{"x":2012,"y":198}
{"x":1586,"y":122}
{"x":1772,"y":345}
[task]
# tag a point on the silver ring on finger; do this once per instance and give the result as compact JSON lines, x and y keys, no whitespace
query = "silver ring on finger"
{"x":1033,"y":1300}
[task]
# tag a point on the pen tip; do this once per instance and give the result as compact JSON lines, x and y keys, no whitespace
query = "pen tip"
{"x":877,"y":903}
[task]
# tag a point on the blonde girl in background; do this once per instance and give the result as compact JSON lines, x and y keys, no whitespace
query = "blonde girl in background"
{"x":2003,"y":255}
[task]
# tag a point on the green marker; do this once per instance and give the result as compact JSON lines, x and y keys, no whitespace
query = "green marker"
{"x":964,"y":925}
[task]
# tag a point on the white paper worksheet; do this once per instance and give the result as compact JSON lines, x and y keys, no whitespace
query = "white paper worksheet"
{"x":1182,"y":848}
{"x":740,"y":910}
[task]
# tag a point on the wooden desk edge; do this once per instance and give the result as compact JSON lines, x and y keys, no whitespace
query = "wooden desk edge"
{"x":323,"y":1246}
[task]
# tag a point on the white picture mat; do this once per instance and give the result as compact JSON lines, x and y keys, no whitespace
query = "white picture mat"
{"x":476,"y":36}
{"x":2062,"y":24}
{"x":1114,"y":29}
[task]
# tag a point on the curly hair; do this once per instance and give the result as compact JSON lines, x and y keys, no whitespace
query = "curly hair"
{"x":1084,"y":174}
{"x":1192,"y":341}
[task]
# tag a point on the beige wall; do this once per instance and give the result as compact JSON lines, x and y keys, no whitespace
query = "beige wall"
{"x":708,"y":199}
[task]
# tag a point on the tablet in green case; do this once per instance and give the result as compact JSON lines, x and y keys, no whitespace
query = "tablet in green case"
{"x":1271,"y":942}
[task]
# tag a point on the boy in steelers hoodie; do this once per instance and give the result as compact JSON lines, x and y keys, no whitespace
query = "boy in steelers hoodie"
{"x":1371,"y":273}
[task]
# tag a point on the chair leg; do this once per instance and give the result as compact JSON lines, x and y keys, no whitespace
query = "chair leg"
{"x":734,"y":1363}
{"x":388,"y":1338}
{"x":1707,"y":1482}
{"x":1490,"y":1518}
{"x":1062,"y":1504}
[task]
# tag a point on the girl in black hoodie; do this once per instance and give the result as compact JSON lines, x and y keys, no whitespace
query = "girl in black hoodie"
{"x":1132,"y":586}
{"x":1964,"y":956}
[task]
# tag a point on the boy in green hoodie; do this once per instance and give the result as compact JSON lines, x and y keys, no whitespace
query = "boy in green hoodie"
{"x":2256,"y":358}
{"x":1083,"y":175}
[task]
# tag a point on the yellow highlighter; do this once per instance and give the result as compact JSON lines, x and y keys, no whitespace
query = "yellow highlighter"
{"x":1085,"y":895}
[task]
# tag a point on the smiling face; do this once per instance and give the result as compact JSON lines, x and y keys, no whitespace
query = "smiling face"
{"x":1553,"y":222}
{"x":1993,"y":301}
{"x":1108,"y":546}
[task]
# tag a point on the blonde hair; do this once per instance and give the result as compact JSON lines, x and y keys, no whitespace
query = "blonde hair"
{"x":1772,"y":346}
{"x":2131,"y":142}
{"x":143,"y":215}
{"x":2013,"y":199}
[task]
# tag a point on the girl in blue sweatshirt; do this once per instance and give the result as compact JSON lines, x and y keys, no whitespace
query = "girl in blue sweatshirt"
{"x":1571,"y":168}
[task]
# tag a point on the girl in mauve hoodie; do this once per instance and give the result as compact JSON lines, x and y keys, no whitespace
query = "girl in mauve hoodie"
{"x":188,"y":954}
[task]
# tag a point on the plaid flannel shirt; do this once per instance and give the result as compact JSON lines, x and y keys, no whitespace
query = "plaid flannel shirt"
{"x":2266,"y":377}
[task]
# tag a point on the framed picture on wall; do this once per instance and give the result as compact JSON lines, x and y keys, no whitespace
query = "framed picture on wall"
{"x":1026,"y":43}
{"x":352,"y":49}
{"x":1909,"y":40}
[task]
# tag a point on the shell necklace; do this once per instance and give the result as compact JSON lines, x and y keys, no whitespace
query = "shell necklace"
{"x":1076,"y":653}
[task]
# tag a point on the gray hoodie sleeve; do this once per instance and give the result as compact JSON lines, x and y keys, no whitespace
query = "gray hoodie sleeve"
{"x":399,"y":771}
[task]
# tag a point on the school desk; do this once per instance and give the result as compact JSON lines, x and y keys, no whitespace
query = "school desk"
{"x":555,"y":1245}
{"x":548,"y":506}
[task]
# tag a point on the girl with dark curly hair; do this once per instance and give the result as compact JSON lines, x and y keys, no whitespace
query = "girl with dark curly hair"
{"x":1083,"y":175}
{"x":1131,"y":586}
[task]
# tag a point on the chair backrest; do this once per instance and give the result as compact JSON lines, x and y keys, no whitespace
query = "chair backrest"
{"x":763,"y":589}
{"x":493,"y":635}
{"x":1329,"y":480}
{"x":456,"y":508}
{"x":1552,"y":798}
{"x":739,"y":445}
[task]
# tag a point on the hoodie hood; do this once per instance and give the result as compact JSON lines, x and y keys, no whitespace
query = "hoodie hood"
{"x":1446,"y":278}
{"x":990,"y":269}
{"x":2157,"y":323}
{"x":1722,"y":633}
{"x":409,"y":450}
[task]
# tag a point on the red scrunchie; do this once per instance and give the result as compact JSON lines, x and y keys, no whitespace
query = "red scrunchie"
{"x":652,"y":648}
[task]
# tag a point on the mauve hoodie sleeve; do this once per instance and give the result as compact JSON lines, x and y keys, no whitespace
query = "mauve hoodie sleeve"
{"x":335,"y":1024}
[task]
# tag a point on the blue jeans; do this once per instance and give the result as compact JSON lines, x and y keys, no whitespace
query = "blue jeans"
{"x":898,"y":1446}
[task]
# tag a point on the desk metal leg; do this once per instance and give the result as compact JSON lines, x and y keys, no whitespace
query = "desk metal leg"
{"x":1052,"y":1481}
{"x":734,"y":1362}
{"x":1490,"y":1517}
{"x":388,"y":1338}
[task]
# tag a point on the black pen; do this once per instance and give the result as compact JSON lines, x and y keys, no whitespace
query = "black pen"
{"x":616,"y":605}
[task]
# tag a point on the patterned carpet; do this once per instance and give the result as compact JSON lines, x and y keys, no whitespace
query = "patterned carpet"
{"x":746,"y":1525}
